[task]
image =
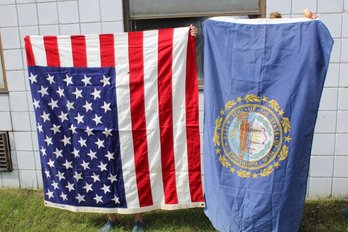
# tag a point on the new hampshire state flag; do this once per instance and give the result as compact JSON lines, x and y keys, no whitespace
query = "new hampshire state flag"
{"x":263,"y":80}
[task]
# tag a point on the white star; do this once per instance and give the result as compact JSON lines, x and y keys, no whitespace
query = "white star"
{"x":50,"y":163}
{"x":112,"y":178}
{"x":78,"y":176}
{"x":73,"y":129}
{"x":39,"y":127}
{"x":60,"y":92}
{"x":105,"y":81}
{"x":116,"y":199}
{"x":92,"y":154}
{"x":82,"y":142}
{"x":67,"y":164}
{"x":55,"y":129}
{"x":63,"y":196}
{"x":99,"y":143}
{"x":97,"y":119}
{"x":53,"y":104}
{"x":70,"y":187}
{"x":89,"y":131}
{"x":49,"y":194}
{"x":85,"y":165}
{"x":98,"y":199}
{"x":87,"y":106}
{"x":43,"y":91}
{"x":106,"y":188}
{"x":88,"y":187}
{"x":60,"y":176}
{"x":77,"y":93}
{"x":50,"y":79}
{"x":43,"y":151}
{"x":45,"y":116}
{"x":86,"y":80}
{"x":106,"y":107}
{"x":48,"y":140}
{"x":66,"y":140}
{"x":36,"y":103}
{"x":107,"y":132}
{"x":80,"y":197}
{"x":55,"y":185}
{"x":102,"y":167}
{"x":67,"y":79}
{"x":110,"y":156}
{"x":63,"y":116}
{"x":58,"y":153}
{"x":95,"y":177}
{"x":79,"y":118}
{"x":96,"y":93}
{"x":76,"y":153}
{"x":70,"y":105}
{"x":47,"y":173}
{"x":32,"y":78}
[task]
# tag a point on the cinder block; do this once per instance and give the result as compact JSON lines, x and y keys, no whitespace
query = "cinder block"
{"x":333,"y":22}
{"x":28,"y":179}
{"x":89,"y":11}
{"x":8,"y":16}
{"x":321,"y":166}
{"x":21,"y":121}
{"x":27,"y":14}
{"x":340,"y":187}
{"x":331,"y":6}
{"x":299,"y":5}
{"x":329,"y":99}
{"x":341,"y":167}
{"x":342,"y":122}
{"x":323,"y":144}
{"x":341,"y":144}
{"x":326,"y":122}
{"x":111,"y":10}
{"x":319,"y":187}
{"x":68,"y":12}
{"x":25,"y":160}
{"x":332,"y":75}
{"x":90,"y":28}
{"x":47,"y":13}
{"x":10,"y":38}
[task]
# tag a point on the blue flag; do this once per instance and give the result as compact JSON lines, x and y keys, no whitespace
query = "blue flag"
{"x":263,"y":81}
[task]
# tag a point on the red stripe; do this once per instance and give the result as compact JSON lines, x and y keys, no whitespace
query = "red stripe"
{"x":52,"y":54}
{"x":137,"y":104}
{"x":29,"y":52}
{"x":107,"y":51}
{"x":192,"y":124}
{"x":78,"y":46}
{"x":165,"y":104}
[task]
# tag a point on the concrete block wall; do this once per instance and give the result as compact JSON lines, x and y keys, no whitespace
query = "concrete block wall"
{"x":329,"y":164}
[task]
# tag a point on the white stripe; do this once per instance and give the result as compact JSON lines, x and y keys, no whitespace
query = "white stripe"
{"x":124,"y":120}
{"x":151,"y":114}
{"x":124,"y":211}
{"x":65,"y":51}
{"x":93,"y":51}
{"x":180,"y":38}
{"x":38,"y":46}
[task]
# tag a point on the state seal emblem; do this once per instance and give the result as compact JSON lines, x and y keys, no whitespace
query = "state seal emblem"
{"x":251,"y":136}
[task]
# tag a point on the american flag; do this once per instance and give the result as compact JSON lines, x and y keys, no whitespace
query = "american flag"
{"x":117,"y":120}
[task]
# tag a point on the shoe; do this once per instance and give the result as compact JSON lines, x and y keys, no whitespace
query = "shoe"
{"x":109,"y":225}
{"x":138,"y":227}
{"x":344,"y":212}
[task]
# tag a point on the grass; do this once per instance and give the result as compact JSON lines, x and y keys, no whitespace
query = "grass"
{"x":23,"y":210}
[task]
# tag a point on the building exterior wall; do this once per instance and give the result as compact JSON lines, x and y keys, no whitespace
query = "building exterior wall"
{"x":329,"y":163}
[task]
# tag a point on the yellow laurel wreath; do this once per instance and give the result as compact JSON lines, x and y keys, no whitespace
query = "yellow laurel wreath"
{"x":224,"y":161}
{"x":266,"y":171}
{"x":274,"y":104}
{"x":216,"y":138}
{"x":252,"y":98}
{"x":284,"y":153}
{"x":230,"y":104}
{"x":286,"y":124}
{"x":243,"y":174}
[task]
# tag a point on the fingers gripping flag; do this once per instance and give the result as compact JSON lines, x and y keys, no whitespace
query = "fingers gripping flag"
{"x":263,"y":81}
{"x":117,"y":120}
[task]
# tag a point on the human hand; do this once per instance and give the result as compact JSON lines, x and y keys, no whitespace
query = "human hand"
{"x":309,"y":14}
{"x":193,"y":30}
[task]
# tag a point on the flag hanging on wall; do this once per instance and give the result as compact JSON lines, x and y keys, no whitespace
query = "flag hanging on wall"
{"x":117,"y":120}
{"x":263,"y":81}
